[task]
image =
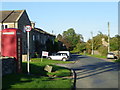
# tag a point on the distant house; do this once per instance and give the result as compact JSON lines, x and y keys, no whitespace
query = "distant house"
{"x":40,"y":39}
{"x":19,"y":19}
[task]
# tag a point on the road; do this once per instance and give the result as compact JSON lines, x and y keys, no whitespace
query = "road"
{"x":93,"y":72}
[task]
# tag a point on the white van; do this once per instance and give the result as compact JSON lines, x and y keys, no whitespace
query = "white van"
{"x":67,"y":52}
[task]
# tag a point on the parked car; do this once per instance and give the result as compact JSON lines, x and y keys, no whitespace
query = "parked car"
{"x":67,"y":52}
{"x":59,"y":56}
{"x":111,"y":56}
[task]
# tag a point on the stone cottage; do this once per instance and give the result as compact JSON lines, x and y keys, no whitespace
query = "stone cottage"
{"x":16,"y":19}
{"x":19,"y":19}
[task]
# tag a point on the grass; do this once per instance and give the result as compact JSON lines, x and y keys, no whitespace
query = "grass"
{"x":31,"y":81}
{"x":103,"y":57}
{"x":39,"y":78}
{"x":49,"y":61}
{"x":97,"y":56}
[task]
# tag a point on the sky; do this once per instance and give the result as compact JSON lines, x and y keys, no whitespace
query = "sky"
{"x":83,"y":17}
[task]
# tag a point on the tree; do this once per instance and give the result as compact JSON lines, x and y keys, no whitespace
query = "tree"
{"x":89,"y":46}
{"x":80,"y":47}
{"x":103,"y":50}
{"x":114,"y":43}
{"x":97,"y":42}
{"x":70,"y":38}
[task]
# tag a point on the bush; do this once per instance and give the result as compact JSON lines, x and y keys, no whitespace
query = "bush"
{"x":74,"y":51}
{"x":102,"y":50}
{"x":117,"y":60}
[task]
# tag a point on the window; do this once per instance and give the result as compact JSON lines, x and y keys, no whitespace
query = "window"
{"x":24,"y":29}
{"x":38,"y":37}
{"x":4,"y":26}
{"x":33,"y":37}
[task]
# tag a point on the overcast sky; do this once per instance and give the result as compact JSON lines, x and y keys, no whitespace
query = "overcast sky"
{"x":84,"y":17}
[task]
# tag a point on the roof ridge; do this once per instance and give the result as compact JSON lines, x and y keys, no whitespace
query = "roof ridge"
{"x":20,"y":14}
{"x":12,"y":10}
{"x":8,"y":15}
{"x":44,"y":31}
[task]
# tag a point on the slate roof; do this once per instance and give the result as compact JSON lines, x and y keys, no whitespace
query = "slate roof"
{"x":42,"y":31}
{"x":13,"y":16}
{"x":10,"y":15}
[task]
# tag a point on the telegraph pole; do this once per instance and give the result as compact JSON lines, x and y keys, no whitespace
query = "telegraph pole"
{"x":52,"y":31}
{"x":108,"y":37}
{"x":92,"y":43}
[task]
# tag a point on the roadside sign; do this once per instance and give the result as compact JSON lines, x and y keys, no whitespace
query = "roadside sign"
{"x":28,"y":28}
{"x":44,"y":53}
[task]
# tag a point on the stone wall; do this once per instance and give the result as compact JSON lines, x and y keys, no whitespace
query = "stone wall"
{"x":8,"y":66}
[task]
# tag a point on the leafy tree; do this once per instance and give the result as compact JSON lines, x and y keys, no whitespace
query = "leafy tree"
{"x":80,"y":47}
{"x":97,"y":42}
{"x":88,"y":46}
{"x":70,"y":38}
{"x":103,"y":50}
{"x":115,"y":43}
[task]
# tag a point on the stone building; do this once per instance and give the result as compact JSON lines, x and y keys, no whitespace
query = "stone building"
{"x":16,"y":19}
{"x":39,"y":40}
{"x":19,"y":19}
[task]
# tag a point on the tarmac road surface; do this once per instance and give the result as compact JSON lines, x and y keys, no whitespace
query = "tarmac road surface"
{"x":94,"y":73}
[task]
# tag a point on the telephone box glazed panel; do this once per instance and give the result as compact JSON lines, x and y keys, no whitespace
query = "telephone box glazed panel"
{"x":12,"y":45}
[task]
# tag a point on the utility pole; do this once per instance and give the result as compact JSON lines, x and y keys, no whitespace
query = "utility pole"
{"x":92,"y":43}
{"x":52,"y":31}
{"x":108,"y":37}
{"x":118,"y":46}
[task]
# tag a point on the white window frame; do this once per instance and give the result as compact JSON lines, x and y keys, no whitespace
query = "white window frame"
{"x":4,"y":26}
{"x":33,"y":37}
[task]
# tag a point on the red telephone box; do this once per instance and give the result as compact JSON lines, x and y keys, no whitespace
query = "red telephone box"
{"x":12,"y":45}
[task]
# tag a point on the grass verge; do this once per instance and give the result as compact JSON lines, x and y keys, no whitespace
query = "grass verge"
{"x":97,"y":56}
{"x":39,"y":78}
{"x":102,"y":57}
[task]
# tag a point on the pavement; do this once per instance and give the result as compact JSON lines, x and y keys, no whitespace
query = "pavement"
{"x":90,"y":72}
